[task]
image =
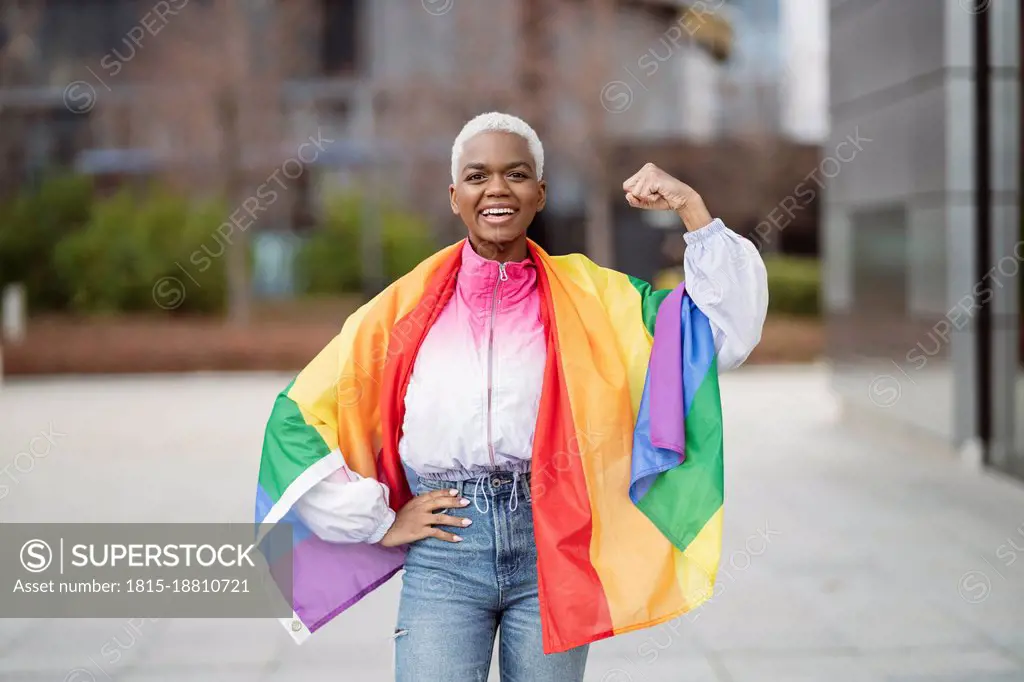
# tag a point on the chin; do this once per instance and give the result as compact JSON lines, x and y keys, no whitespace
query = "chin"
{"x":498,"y":234}
{"x":501,"y":240}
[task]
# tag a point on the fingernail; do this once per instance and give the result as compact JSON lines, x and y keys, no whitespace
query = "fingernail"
{"x":453,"y":492}
{"x":463,"y":501}
{"x":457,"y":538}
{"x":466,"y":522}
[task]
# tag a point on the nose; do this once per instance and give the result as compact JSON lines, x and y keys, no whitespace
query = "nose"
{"x":497,"y":187}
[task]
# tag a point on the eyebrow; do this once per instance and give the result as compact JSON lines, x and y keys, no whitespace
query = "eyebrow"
{"x":474,"y":165}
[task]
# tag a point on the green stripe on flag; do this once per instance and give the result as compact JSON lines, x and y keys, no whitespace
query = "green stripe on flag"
{"x":290,"y":446}
{"x":650,"y":301}
{"x":682,"y":500}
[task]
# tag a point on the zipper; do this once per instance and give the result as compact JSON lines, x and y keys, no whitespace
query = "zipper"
{"x":502,"y":276}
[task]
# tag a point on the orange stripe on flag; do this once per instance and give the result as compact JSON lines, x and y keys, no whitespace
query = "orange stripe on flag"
{"x":404,"y":343}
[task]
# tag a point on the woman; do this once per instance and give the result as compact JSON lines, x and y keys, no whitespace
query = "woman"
{"x":470,"y":394}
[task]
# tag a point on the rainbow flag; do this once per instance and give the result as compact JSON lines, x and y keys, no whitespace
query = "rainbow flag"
{"x":627,"y":477}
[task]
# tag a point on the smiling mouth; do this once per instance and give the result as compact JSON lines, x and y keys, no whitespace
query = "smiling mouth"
{"x":498,"y":216}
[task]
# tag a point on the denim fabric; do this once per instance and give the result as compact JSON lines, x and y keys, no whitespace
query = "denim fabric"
{"x":456,"y":596}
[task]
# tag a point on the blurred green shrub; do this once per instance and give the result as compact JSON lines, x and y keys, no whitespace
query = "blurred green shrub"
{"x":794,"y":285}
{"x":31,"y":225}
{"x":331,"y":261}
{"x":407,"y":241}
{"x":135,"y":240}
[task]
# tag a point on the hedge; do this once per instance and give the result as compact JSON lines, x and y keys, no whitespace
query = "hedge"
{"x":794,"y":284}
{"x":130,"y":255}
{"x":331,"y":260}
{"x":80,"y":252}
{"x":32,"y":224}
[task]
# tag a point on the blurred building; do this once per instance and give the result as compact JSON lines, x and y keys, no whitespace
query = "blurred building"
{"x":924,"y":248}
{"x":750,"y":130}
{"x":723,"y":93}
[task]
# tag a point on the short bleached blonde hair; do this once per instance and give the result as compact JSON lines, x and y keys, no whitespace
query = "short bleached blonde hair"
{"x":495,"y":121}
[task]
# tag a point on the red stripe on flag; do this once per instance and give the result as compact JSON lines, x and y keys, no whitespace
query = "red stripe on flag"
{"x":573,"y":606}
{"x":403,"y":344}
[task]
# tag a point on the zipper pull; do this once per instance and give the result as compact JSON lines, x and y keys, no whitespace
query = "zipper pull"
{"x":502,"y":275}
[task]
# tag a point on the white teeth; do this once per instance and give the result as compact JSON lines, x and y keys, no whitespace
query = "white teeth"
{"x":498,"y":211}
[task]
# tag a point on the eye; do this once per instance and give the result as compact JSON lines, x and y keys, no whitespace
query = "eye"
{"x":519,"y":174}
{"x":473,"y":177}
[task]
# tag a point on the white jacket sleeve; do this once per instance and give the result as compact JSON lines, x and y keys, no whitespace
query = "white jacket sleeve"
{"x":726,"y":279}
{"x":347,"y":508}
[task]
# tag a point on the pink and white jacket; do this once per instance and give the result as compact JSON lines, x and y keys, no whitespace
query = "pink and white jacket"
{"x":473,"y":397}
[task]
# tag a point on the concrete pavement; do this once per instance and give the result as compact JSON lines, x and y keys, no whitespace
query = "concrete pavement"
{"x":849,"y":557}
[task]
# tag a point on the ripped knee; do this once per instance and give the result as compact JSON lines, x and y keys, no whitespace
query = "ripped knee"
{"x":399,"y":632}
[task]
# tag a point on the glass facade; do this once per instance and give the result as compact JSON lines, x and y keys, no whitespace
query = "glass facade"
{"x":1006,"y":233}
{"x":924,"y":242}
{"x":892,"y":342}
{"x":752,"y":74}
{"x":1018,"y":407}
{"x":1018,"y":410}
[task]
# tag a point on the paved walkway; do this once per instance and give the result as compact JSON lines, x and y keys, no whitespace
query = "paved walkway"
{"x":847,"y":558}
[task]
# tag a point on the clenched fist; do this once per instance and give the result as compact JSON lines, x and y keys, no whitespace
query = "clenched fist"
{"x":651,"y":188}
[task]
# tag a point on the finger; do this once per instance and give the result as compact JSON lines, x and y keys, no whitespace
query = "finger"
{"x":637,"y":202}
{"x":442,"y":535}
{"x":448,"y":520}
{"x":445,"y":493}
{"x":632,"y":180}
{"x":646,"y":170}
{"x":445,"y":502}
{"x":653,"y":187}
{"x":643,"y":189}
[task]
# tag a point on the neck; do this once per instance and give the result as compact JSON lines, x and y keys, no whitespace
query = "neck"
{"x":502,"y":252}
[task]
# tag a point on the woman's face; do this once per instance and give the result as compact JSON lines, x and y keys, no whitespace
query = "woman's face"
{"x":497,"y":193}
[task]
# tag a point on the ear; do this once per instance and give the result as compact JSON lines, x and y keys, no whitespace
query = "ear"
{"x":542,"y":199}
{"x":451,"y":199}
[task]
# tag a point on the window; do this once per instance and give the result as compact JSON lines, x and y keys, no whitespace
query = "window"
{"x":339,"y":40}
{"x":73,"y":29}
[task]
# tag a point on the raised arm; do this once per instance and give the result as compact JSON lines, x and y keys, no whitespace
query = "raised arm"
{"x":726,"y":279}
{"x":724,"y":274}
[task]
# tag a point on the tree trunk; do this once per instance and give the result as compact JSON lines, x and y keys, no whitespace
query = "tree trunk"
{"x":600,"y":240}
{"x":239,"y":298}
{"x":600,"y":224}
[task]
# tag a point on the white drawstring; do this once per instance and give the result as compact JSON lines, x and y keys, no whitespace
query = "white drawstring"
{"x":513,"y":502}
{"x":480,"y":481}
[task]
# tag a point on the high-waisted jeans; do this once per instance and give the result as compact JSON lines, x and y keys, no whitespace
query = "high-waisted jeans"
{"x":456,"y":596}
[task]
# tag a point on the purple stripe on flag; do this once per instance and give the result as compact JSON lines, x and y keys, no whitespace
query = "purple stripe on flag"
{"x":330,"y":577}
{"x":666,"y":376}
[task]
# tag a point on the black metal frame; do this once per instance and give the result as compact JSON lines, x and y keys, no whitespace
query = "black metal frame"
{"x":983,"y":224}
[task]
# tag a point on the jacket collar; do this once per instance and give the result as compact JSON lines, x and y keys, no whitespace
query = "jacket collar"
{"x":478,"y":280}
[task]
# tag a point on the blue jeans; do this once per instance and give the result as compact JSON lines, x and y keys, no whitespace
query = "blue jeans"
{"x":455,"y":596}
